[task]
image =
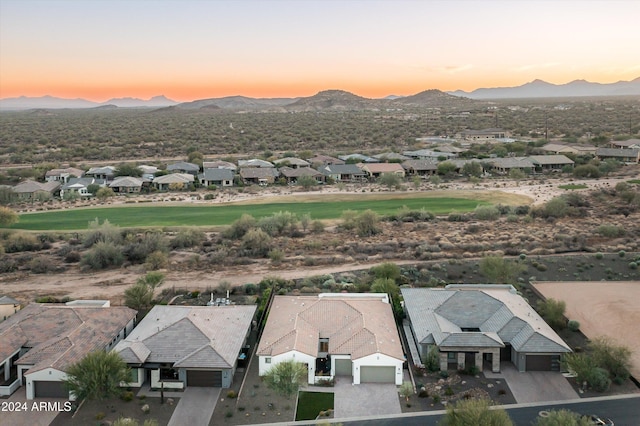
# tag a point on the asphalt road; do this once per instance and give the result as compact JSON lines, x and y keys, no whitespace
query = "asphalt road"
{"x":623,"y":410}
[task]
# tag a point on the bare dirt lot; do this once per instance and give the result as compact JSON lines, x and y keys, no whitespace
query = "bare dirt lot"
{"x":603,"y":309}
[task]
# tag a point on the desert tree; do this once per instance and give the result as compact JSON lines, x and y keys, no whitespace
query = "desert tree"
{"x":97,"y":376}
{"x":286,"y":377}
{"x":499,"y":270}
{"x":552,"y":311}
{"x":7,"y":217}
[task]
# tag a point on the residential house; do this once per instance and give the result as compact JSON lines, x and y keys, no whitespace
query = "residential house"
{"x":375,"y":170}
{"x":41,"y":341}
{"x":293,"y":174}
{"x":324,"y":160}
{"x":343,"y":172}
{"x":420,"y":167}
{"x":63,"y":175}
{"x":429,"y":154}
{"x":106,"y":173}
{"x":485,"y":135}
{"x":334,"y":334}
{"x":148,"y":172}
{"x":621,"y":154}
{"x":450,"y":149}
{"x":30,"y":190}
{"x":291,"y":162}
{"x":126,"y":185}
{"x":8,"y":307}
{"x":391,"y":157}
{"x":255,"y":162}
{"x":179,"y":346}
{"x":628,"y":144}
{"x":173,"y":181}
{"x":563,"y":148}
{"x":506,"y":164}
{"x":80,"y":186}
{"x":474,"y":325}
{"x":216,"y":176}
{"x":184,"y":167}
{"x":547,"y":163}
{"x":358,"y":158}
{"x":259,"y":175}
{"x":219,"y":164}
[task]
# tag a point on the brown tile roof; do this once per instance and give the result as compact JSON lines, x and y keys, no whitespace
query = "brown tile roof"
{"x":355,"y":326}
{"x":60,"y":335}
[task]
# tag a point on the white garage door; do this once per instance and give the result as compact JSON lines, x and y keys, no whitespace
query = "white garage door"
{"x":377,"y":374}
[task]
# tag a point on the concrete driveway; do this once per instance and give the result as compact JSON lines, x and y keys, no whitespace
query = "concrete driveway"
{"x":30,"y":417}
{"x":195,"y":407}
{"x":368,"y":399}
{"x":535,"y":386}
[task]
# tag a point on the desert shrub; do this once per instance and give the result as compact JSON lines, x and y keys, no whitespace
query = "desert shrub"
{"x":250,"y":289}
{"x":156,"y":260}
{"x":622,"y":253}
{"x":102,"y":255}
{"x":386,"y":270}
{"x":256,"y":242}
{"x":522,"y":210}
{"x":276,"y":255}
{"x":573,"y":325}
{"x":615,"y":359}
{"x":101,"y":232}
{"x":231,"y":394}
{"x":457,"y":217}
{"x":317,"y":227}
{"x":599,"y":379}
{"x":610,"y":231}
{"x":72,"y":257}
{"x":21,"y":241}
{"x":367,"y":223}
{"x":552,"y":311}
{"x":599,"y":256}
{"x":138,"y":248}
{"x":586,"y":171}
{"x":486,"y":213}
{"x":633,"y":265}
{"x":187,"y":238}
{"x":349,"y":219}
{"x":240,"y":227}
{"x":499,"y":270}
{"x":41,"y":265}
{"x":127,"y":396}
{"x":556,"y":207}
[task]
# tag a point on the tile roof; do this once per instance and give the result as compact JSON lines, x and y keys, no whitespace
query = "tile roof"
{"x":6,"y":300}
{"x":357,"y":326}
{"x":341,"y":169}
{"x":258,"y":172}
{"x":218,"y":164}
{"x":420,"y":165}
{"x":255,"y":162}
{"x":551,"y":159}
{"x":300,"y":171}
{"x":217,"y":174}
{"x":292,"y":161}
{"x":173,"y":178}
{"x":618,"y":152}
{"x":30,"y":186}
{"x":68,"y":171}
{"x":383,"y":167}
{"x":126,"y":182}
{"x":497,"y":314}
{"x":60,"y":335}
{"x":183,"y":166}
{"x":189,"y":336}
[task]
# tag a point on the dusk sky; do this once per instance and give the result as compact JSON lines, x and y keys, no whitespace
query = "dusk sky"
{"x":196,"y":49}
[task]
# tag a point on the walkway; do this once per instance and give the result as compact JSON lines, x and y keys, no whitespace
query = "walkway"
{"x":535,"y":386}
{"x":195,"y":407}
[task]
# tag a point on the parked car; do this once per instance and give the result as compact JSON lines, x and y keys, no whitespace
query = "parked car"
{"x":597,"y":420}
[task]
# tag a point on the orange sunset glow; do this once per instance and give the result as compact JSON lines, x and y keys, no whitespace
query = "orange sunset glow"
{"x":189,"y":50}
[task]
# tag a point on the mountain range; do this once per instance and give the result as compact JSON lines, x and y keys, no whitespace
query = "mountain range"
{"x":542,"y":89}
{"x":339,"y":100}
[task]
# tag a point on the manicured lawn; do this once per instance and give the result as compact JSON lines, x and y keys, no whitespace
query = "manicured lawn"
{"x":311,"y":403}
{"x":573,"y":186}
{"x":150,"y":215}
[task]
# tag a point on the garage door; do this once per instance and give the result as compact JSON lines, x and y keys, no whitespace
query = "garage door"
{"x":538,"y":363}
{"x":204,"y":378}
{"x":343,"y":367}
{"x":377,"y":374}
{"x":49,"y":390}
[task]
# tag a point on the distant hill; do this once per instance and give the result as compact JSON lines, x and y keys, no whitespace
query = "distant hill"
{"x":432,"y":98}
{"x":335,"y":100}
{"x":237,"y":102}
{"x":51,"y":102}
{"x":542,"y":89}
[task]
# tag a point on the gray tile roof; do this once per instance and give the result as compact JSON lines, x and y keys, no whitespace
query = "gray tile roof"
{"x":217,"y":175}
{"x":439,"y":316}
{"x":550,"y":159}
{"x":189,"y":336}
{"x":183,"y":166}
{"x":6,"y":300}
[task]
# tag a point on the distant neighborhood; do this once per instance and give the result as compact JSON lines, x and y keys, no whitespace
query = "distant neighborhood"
{"x":442,"y":157}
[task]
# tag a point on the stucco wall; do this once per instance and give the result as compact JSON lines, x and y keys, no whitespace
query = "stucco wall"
{"x":263,"y":367}
{"x":48,"y":374}
{"x":377,"y":360}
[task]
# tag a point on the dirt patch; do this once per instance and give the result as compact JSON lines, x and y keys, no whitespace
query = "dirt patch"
{"x":603,"y":309}
{"x":106,"y":412}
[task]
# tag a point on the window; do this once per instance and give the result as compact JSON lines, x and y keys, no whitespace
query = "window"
{"x":267,"y":360}
{"x":323,"y":345}
{"x":168,"y":374}
{"x":451,"y":355}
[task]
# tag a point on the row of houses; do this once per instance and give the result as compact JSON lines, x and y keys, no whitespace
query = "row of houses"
{"x":348,"y":168}
{"x":352,"y":336}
